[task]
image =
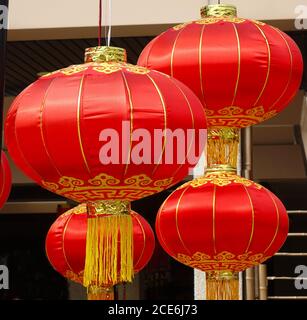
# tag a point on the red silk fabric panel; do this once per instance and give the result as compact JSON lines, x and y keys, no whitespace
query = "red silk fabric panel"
{"x":230,"y":62}
{"x":53,"y":127}
{"x":214,"y":220}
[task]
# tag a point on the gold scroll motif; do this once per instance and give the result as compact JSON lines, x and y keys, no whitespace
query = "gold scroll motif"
{"x":220,"y":179}
{"x":213,"y":20}
{"x":223,"y":261}
{"x":237,"y":117}
{"x":104,"y":187}
{"x":103,"y":67}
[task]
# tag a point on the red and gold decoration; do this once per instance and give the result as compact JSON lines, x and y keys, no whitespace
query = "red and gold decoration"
{"x":5,"y":179}
{"x":53,"y":128}
{"x":66,"y":250}
{"x":55,"y":131}
{"x":222,"y":224}
{"x":244,"y":71}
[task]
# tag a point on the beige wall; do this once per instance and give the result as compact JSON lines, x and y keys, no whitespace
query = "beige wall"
{"x":38,"y":14}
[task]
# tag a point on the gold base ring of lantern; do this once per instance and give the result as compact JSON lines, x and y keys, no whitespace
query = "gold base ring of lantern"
{"x":222,"y":285}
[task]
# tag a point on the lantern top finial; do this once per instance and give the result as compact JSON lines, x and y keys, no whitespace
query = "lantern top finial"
{"x":218,"y":10}
{"x":105,"y":54}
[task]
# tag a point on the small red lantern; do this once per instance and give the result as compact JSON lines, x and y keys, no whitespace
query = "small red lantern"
{"x":5,"y":180}
{"x":244,"y":71}
{"x":66,"y":248}
{"x":222,"y":224}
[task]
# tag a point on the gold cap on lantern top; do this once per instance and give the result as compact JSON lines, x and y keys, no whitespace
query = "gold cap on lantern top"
{"x":105,"y":54}
{"x":218,"y":10}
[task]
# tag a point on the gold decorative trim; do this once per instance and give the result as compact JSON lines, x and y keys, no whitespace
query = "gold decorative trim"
{"x":213,"y":219}
{"x":177,"y":226}
{"x":105,"y":54}
{"x":218,"y":10}
{"x":131,"y":108}
{"x":269,"y":64}
{"x":103,"y":67}
{"x":222,"y":275}
{"x":79,"y":110}
{"x":108,"y":207}
{"x":165,"y":119}
{"x":41,"y":126}
{"x":253,"y":219}
{"x":181,"y":26}
{"x":200,"y":56}
{"x":278,"y":221}
{"x":291,"y":70}
{"x":214,"y":20}
{"x":223,"y":261}
{"x":239,"y":64}
{"x":173,"y":51}
{"x":105,"y":187}
{"x":259,"y":23}
{"x":237,"y":117}
{"x":220,"y":179}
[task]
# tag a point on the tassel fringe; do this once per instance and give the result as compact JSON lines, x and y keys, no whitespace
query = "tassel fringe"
{"x":109,"y":250}
{"x":219,"y":287}
{"x":222,"y":147}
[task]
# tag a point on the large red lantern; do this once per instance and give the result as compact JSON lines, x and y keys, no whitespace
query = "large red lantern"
{"x":66,"y":248}
{"x":244,"y":71}
{"x":5,"y":179}
{"x":222,"y":224}
{"x":58,"y":127}
{"x":89,"y":133}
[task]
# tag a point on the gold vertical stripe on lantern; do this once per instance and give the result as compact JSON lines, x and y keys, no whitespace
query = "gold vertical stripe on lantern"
{"x":109,"y":244}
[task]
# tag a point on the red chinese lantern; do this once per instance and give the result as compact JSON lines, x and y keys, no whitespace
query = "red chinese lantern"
{"x":222,"y":224}
{"x":66,"y":248}
{"x":244,"y":71}
{"x":76,"y":132}
{"x":55,"y":128}
{"x":5,"y":180}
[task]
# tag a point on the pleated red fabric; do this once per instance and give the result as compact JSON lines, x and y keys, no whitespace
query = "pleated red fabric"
{"x":222,"y":222}
{"x":57,"y":127}
{"x":244,"y":71}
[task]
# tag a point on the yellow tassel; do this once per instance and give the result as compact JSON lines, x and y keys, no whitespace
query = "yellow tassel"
{"x":222,"y":286}
{"x":100,"y":293}
{"x":222,"y":147}
{"x":109,"y":245}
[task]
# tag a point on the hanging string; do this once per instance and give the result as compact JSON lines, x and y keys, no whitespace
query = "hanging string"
{"x":110,"y":22}
{"x":108,"y":19}
{"x":100,"y":23}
